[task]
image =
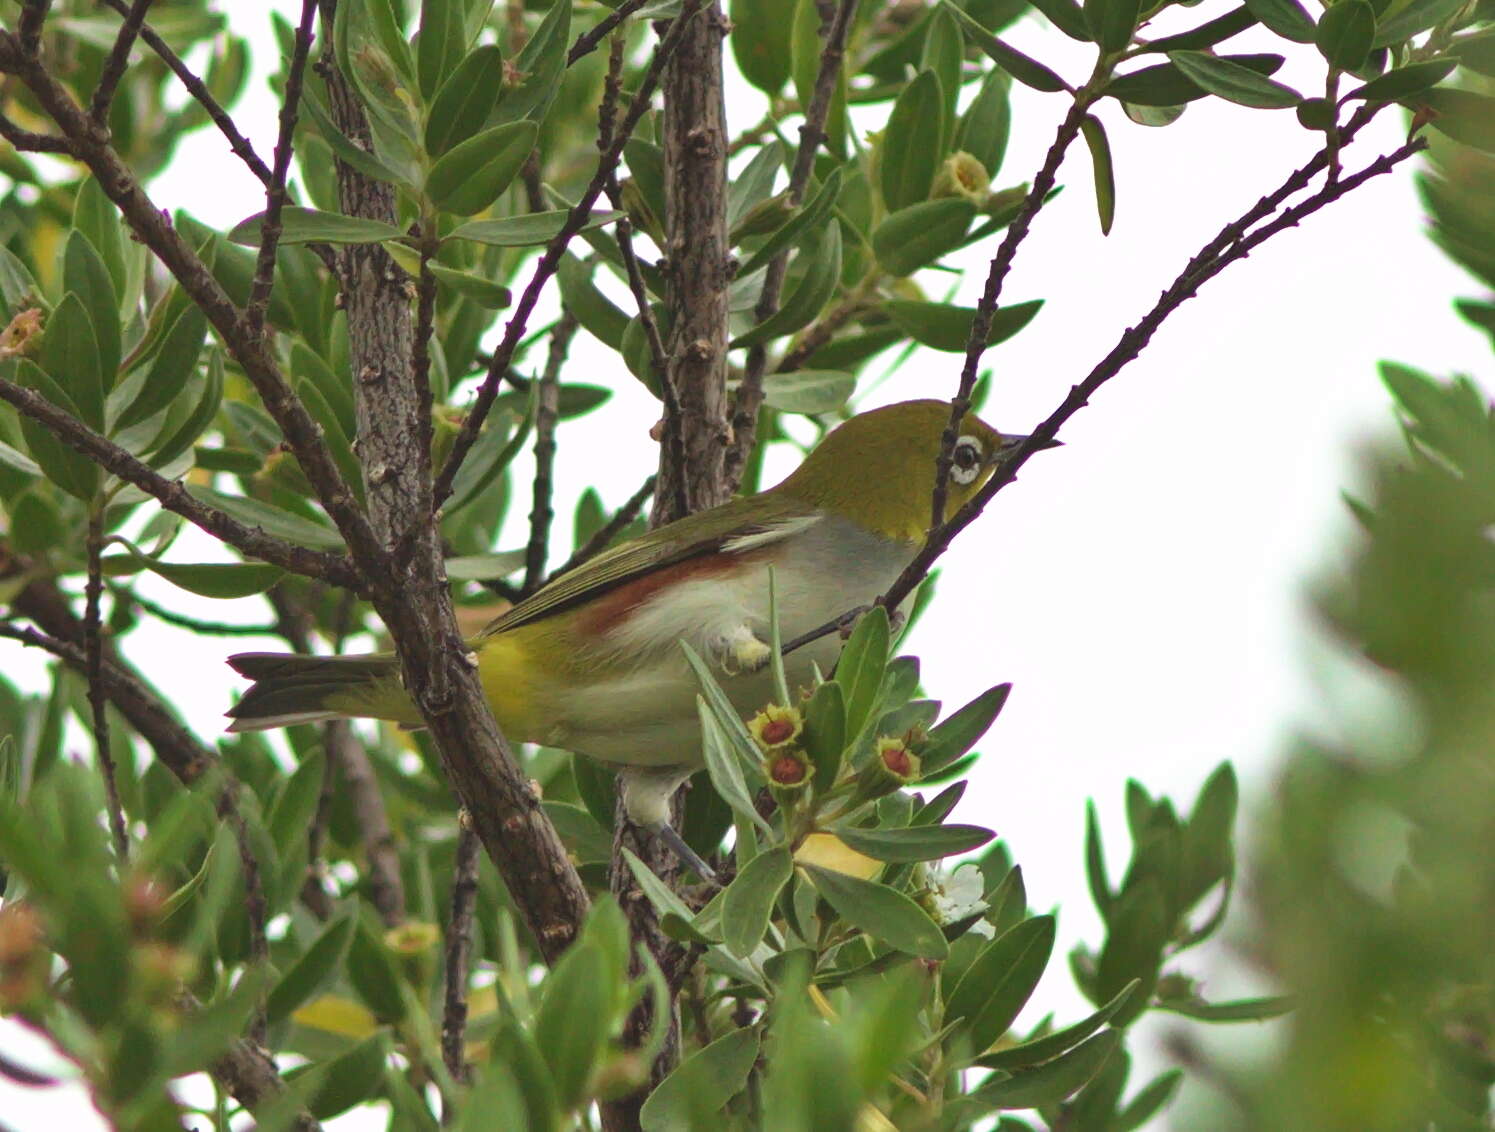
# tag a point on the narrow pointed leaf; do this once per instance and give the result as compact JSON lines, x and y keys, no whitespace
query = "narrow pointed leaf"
{"x":915,"y":843}
{"x":1233,"y":82}
{"x":469,"y":176}
{"x":886,"y":915}
{"x":1105,"y":175}
{"x":750,"y":897}
{"x":1025,"y":70}
{"x":309,"y":226}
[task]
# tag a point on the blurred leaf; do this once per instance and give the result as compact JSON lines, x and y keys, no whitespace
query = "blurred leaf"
{"x":1111,"y":22}
{"x":704,"y":1082}
{"x":571,"y":1025}
{"x":1136,"y":932}
{"x":1413,"y":17}
{"x":1067,"y":16}
{"x":1150,"y":1101}
{"x":221,"y":580}
{"x":1463,"y":115}
{"x":1241,"y":1010}
{"x":915,"y":843}
{"x":809,"y":391}
{"x":941,"y":326}
{"x":749,"y":899}
{"x":910,"y":152}
{"x":73,"y":472}
{"x":760,"y":41}
{"x":1105,"y":175}
{"x":312,"y":972}
{"x":1476,"y":52}
{"x":1345,"y":32}
{"x":274,"y":520}
{"x":479,"y":289}
{"x":1036,"y":1051}
{"x":1233,"y":82}
{"x":353,"y":1077}
{"x":722,"y":764}
{"x":1051,"y":1082}
{"x":821,"y":257}
{"x":540,"y":64}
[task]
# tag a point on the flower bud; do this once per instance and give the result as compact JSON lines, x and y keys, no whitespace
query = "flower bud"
{"x":962,"y":175}
{"x":776,"y":726}
{"x":896,"y":760}
{"x":23,"y":335}
{"x":413,"y":937}
{"x":786,"y":769}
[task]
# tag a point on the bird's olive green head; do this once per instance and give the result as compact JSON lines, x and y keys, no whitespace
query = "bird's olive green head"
{"x":877,"y":469}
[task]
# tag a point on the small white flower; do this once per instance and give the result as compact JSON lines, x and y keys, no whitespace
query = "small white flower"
{"x":958,"y":895}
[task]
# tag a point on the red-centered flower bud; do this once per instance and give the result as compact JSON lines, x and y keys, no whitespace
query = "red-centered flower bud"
{"x":787,"y":769}
{"x":776,"y":726}
{"x":894,"y":756}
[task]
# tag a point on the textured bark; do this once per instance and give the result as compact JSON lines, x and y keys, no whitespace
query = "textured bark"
{"x":411,"y":593}
{"x":698,"y":261}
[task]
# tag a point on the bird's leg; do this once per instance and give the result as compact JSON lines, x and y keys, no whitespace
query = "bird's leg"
{"x":687,"y":856}
{"x":646,"y":797}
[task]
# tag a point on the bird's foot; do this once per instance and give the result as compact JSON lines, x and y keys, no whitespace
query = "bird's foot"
{"x":742,"y":652}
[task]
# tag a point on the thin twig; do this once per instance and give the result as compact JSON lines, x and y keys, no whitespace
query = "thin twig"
{"x":275,"y":192}
{"x":609,"y":530}
{"x":255,"y":906}
{"x":986,"y":309}
{"x":812,"y":135}
{"x":181,"y":621}
{"x":547,"y":416}
{"x":587,"y":42}
{"x":459,"y":950}
{"x":28,"y":141}
{"x":119,"y":58}
{"x":237,"y":142}
{"x":1233,"y":243}
{"x":551,"y":257}
{"x":93,"y":650}
{"x":252,"y":541}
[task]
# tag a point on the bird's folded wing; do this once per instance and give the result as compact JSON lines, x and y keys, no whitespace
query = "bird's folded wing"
{"x":748,"y":524}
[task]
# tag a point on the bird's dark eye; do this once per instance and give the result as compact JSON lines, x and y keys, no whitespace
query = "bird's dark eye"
{"x":967,"y":459}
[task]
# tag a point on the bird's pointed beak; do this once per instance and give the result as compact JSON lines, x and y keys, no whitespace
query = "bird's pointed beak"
{"x":1010,"y":444}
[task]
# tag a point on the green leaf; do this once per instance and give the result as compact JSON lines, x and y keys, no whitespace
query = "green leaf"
{"x":825,"y":732}
{"x":583,"y":837}
{"x":223,"y":580}
{"x":1403,"y":82}
{"x":17,"y":288}
{"x":350,"y":1078}
{"x":1287,"y":18}
{"x":85,"y":275}
{"x":372,"y":973}
{"x":1036,"y":1051}
{"x":886,"y":915}
{"x":1476,"y":52}
{"x":1105,"y":175}
{"x":1207,"y":34}
{"x":806,"y":220}
{"x":1111,"y":22}
{"x":808,"y":391}
{"x":464,"y":101}
{"x":484,"y":567}
{"x":571,"y":1026}
{"x":1233,"y":82}
{"x":542,"y":62}
{"x":941,"y":54}
{"x":760,"y":41}
{"x":660,"y":894}
{"x":1240,"y":1010}
{"x":343,"y":146}
{"x":1153,"y":116}
{"x":820,"y":256}
{"x":914,"y":843}
{"x":1149,"y":1101}
{"x":1052,"y":1082}
{"x":723,"y":764}
{"x":443,"y":38}
{"x":1136,"y":933}
{"x":274,"y":520}
{"x":804,"y":55}
{"x":1024,"y":69}
{"x":860,"y":668}
{"x":312,"y":972}
{"x":1164,"y":85}
{"x":984,"y":128}
{"x":70,"y":356}
{"x":1067,"y":16}
{"x":749,"y":900}
{"x":598,"y":315}
{"x":1095,"y":863}
{"x":170,"y":370}
{"x":706,"y":1080}
{"x":1417,"y":16}
{"x":202,"y":1035}
{"x":481,"y":290}
{"x":469,"y":176}
{"x":1001,"y":979}
{"x":526,"y":231}
{"x":494,"y":450}
{"x":942,"y":326}
{"x":197,"y":421}
{"x":911,"y":151}
{"x":73,"y":472}
{"x":916,"y":236}
{"x":1463,"y":115}
{"x":309,"y":226}
{"x":1345,"y":32}
{"x":95,"y":216}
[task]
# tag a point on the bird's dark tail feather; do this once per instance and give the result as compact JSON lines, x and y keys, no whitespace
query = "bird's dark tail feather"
{"x":289,"y":689}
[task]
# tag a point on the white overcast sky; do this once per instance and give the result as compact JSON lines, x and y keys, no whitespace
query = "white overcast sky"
{"x":1142,"y":587}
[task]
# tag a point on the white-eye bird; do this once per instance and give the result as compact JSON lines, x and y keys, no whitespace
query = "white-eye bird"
{"x":592,"y":663}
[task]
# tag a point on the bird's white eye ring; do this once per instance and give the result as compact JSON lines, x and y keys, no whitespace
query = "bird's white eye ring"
{"x":966,"y":460}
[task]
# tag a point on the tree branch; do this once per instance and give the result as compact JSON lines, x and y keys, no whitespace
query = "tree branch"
{"x":587,"y":42}
{"x":546,"y":418}
{"x":749,"y":397}
{"x":28,"y":141}
{"x":172,"y":495}
{"x":119,"y":57}
{"x":93,"y":671}
{"x":459,"y":950}
{"x":29,"y":27}
{"x":609,"y":530}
